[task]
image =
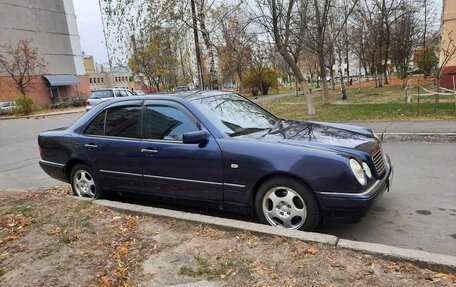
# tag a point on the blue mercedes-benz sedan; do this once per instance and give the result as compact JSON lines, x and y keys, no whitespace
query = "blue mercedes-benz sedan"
{"x":221,"y":150}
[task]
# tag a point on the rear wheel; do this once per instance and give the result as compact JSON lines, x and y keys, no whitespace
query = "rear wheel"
{"x":84,"y":182}
{"x":288,"y":203}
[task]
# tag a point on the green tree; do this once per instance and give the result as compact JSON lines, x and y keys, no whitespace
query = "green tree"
{"x":261,"y":79}
{"x":154,"y":58}
{"x":426,"y":59}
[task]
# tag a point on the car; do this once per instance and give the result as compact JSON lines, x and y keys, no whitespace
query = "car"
{"x":181,"y":89}
{"x":101,"y":95}
{"x":220,"y":150}
{"x":7,"y":107}
{"x":139,"y":92}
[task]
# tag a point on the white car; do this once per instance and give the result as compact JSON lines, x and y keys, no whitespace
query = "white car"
{"x":98,"y":96}
{"x":7,"y":107}
{"x":139,"y":92}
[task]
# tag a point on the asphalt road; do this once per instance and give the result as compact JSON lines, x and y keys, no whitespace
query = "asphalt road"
{"x":419,"y":212}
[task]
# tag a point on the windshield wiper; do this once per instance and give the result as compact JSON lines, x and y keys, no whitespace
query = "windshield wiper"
{"x":246,"y":131}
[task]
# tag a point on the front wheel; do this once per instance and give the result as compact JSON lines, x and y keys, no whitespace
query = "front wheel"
{"x":288,"y":203}
{"x":84,"y":183}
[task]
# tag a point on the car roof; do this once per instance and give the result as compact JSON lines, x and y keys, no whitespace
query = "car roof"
{"x":188,"y":95}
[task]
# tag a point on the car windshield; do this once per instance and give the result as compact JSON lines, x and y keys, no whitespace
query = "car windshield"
{"x":235,"y":115}
{"x":101,"y":94}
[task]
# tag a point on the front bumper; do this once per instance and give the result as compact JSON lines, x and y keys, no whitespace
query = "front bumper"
{"x":338,"y":207}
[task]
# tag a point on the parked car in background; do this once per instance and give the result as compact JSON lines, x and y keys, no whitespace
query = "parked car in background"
{"x":181,"y":89}
{"x":7,"y":107}
{"x":221,"y":150}
{"x":139,"y":92}
{"x":101,"y":95}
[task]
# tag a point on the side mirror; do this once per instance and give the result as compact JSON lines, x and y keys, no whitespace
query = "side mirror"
{"x":197,"y":137}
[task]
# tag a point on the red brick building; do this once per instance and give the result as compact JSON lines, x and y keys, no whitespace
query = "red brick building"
{"x":51,"y":27}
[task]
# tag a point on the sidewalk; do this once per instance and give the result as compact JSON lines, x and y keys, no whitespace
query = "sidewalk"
{"x":73,"y":111}
{"x":419,"y":126}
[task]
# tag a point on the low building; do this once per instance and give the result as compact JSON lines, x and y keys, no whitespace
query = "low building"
{"x":120,"y":78}
{"x":448,"y":30}
{"x":51,"y":27}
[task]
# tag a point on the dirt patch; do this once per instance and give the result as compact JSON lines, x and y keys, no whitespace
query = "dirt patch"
{"x":50,"y":239}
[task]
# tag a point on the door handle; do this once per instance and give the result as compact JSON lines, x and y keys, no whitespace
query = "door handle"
{"x":91,"y":145}
{"x":149,"y":150}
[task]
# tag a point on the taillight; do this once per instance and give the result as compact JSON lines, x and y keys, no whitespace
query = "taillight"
{"x":87,"y":103}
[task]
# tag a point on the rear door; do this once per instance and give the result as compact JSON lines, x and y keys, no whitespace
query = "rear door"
{"x":111,"y":143}
{"x":172,"y":168}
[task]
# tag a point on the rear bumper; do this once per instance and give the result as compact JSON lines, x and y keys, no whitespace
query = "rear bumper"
{"x":54,"y":170}
{"x":338,"y":207}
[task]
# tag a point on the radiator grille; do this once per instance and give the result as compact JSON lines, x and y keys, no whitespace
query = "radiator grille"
{"x":379,"y":161}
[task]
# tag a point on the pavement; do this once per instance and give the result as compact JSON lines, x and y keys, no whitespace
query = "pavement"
{"x":437,"y":262}
{"x":418,"y":213}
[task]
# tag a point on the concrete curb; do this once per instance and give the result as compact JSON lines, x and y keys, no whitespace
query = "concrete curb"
{"x":438,"y":262}
{"x":43,"y":115}
{"x":223,"y":222}
{"x":419,"y":137}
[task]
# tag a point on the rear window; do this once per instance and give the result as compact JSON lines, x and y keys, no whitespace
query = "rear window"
{"x":96,"y":127}
{"x":101,"y":94}
{"x":116,"y":122}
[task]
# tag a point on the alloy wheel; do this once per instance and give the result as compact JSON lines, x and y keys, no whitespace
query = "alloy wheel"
{"x":284,"y":207}
{"x":84,"y":184}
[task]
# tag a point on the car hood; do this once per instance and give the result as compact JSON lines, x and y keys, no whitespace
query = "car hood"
{"x":317,"y":134}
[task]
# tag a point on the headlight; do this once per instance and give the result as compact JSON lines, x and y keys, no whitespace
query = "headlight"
{"x":358,"y":171}
{"x":367,"y":170}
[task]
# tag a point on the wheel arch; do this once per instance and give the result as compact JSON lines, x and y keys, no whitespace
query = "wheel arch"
{"x":70,"y":165}
{"x":263,"y":179}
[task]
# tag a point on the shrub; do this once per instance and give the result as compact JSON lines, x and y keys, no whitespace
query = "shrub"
{"x":261,"y":79}
{"x":24,"y":105}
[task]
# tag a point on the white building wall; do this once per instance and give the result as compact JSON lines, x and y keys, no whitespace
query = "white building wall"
{"x":50,"y":25}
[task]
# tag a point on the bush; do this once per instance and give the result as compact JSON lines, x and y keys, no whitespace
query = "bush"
{"x":261,"y":79}
{"x":24,"y":105}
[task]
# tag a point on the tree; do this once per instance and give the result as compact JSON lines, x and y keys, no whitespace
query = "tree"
{"x":155,"y":58}
{"x":260,"y":77}
{"x":404,"y":38}
{"x":22,"y":63}
{"x":235,"y":53}
{"x":282,"y":22}
{"x":322,"y":33}
{"x":426,"y":59}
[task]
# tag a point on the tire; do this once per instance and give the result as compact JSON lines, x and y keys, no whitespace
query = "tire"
{"x":287,"y":202}
{"x":84,"y":182}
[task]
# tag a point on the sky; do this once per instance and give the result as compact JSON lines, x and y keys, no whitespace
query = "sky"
{"x":90,"y":29}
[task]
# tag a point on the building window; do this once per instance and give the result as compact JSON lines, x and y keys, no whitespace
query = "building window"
{"x":90,"y":80}
{"x":102,"y":80}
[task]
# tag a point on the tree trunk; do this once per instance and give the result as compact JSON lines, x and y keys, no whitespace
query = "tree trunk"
{"x":197,"y":46}
{"x":213,"y":81}
{"x":309,"y":99}
{"x":333,"y":83}
{"x":326,"y":100}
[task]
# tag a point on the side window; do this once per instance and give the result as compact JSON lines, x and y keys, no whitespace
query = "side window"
{"x":96,"y":127}
{"x":123,"y":122}
{"x":129,"y":94}
{"x":122,"y":93}
{"x":167,"y":123}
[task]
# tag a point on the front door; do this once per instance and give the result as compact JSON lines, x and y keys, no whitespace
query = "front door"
{"x":111,"y":144}
{"x":172,"y":168}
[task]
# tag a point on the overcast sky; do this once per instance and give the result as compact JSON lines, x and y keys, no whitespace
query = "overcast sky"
{"x":90,"y":29}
